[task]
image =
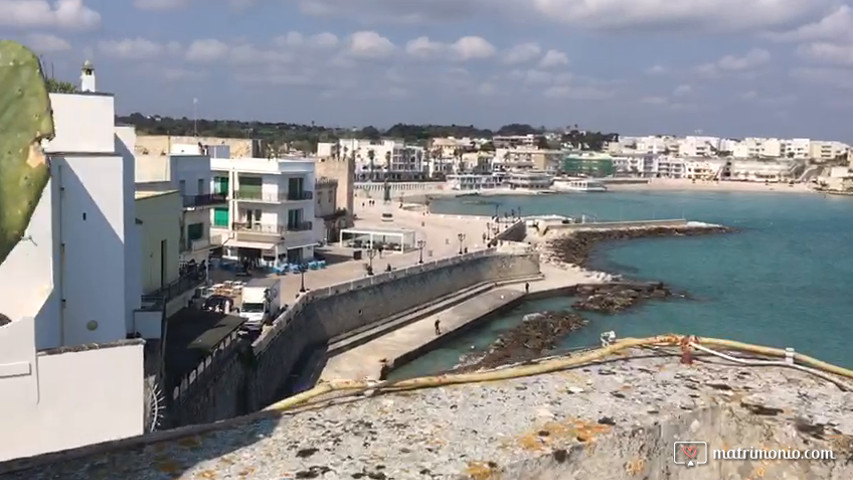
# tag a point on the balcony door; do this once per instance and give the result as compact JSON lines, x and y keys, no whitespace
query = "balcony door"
{"x":295,"y":186}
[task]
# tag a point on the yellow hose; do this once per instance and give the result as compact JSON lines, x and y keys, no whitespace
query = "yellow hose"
{"x":547,"y":366}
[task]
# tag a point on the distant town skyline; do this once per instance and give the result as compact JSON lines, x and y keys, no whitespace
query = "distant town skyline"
{"x":779,"y":68}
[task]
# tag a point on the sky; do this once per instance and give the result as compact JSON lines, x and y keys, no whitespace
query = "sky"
{"x":732,"y":68}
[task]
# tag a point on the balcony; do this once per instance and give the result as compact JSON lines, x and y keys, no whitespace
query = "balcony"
{"x":259,"y":228}
{"x":303,"y":195}
{"x":300,"y":227}
{"x":251,"y":196}
{"x":190,"y":278}
{"x":207,"y":200}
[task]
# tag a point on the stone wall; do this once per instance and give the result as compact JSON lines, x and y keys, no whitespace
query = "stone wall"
{"x":342,"y":170}
{"x":249,"y":380}
{"x":679,"y":222}
{"x":161,"y":144}
{"x":513,"y":233}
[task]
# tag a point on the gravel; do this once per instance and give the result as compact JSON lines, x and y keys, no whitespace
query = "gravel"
{"x":610,"y":420}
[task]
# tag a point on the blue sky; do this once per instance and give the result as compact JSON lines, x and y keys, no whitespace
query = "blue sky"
{"x":725,"y":67}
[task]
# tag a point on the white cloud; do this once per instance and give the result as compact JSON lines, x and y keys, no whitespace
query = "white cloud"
{"x":828,"y":53}
{"x":206,"y":50}
{"x":136,"y":48}
{"x":466,"y":48}
{"x":472,"y":48}
{"x":47,"y":43}
{"x":423,"y":47}
{"x":61,"y":14}
{"x":369,"y":44}
{"x":827,"y":77}
{"x":838,"y":25}
{"x":659,"y":15}
{"x":753,"y":59}
{"x":577,"y":93}
{"x":160,"y":5}
{"x":682,"y":91}
{"x":553,"y":59}
{"x":296,"y":39}
{"x":523,"y":53}
{"x":656,"y":70}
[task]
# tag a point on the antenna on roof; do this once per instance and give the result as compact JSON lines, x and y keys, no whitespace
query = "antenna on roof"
{"x":195,"y":117}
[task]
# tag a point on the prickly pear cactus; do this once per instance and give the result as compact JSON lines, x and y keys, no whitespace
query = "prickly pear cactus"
{"x":25,"y":119}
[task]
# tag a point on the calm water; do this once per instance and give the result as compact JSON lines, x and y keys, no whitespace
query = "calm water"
{"x":786,"y":279}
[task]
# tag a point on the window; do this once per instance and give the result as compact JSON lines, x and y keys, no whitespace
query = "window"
{"x":257,"y":215}
{"x":331,"y":196}
{"x":294,"y":217}
{"x":182,"y":187}
{"x":200,"y":188}
{"x":195,"y":231}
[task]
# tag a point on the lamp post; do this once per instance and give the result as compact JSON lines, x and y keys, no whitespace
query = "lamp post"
{"x":421,"y":245}
{"x":370,"y":254}
{"x":302,"y":269}
{"x":461,"y":238}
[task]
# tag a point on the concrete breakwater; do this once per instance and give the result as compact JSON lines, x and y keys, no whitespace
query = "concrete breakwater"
{"x":257,"y":377}
{"x":575,"y":247}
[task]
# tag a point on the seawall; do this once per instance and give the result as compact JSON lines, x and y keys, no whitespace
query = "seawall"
{"x":252,"y":378}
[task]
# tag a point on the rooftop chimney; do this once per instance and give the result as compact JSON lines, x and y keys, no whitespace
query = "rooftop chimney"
{"x":87,"y":77}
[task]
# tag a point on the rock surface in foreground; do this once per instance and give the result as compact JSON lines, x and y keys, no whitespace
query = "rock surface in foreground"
{"x":616,"y":421}
{"x":575,"y":247}
{"x":537,"y":333}
{"x":615,"y":297}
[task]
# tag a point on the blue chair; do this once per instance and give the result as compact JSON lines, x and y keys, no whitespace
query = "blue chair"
{"x":322,"y":263}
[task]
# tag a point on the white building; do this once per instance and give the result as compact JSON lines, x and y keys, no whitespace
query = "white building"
{"x":188,"y":172}
{"x":823,"y":151}
{"x":782,"y":170}
{"x":797,"y":148}
{"x":379,"y":160}
{"x":476,"y":182}
{"x":703,"y":169}
{"x":270,"y":211}
{"x":74,"y":281}
{"x":753,"y":147}
{"x":698,"y":146}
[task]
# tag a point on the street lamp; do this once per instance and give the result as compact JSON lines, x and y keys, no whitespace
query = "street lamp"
{"x":302,"y":269}
{"x":370,"y":254}
{"x":421,"y":245}
{"x":461,"y":238}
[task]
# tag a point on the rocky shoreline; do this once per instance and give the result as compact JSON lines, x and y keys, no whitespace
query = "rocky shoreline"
{"x":617,"y":296}
{"x":576,"y":247}
{"x":537,"y":333}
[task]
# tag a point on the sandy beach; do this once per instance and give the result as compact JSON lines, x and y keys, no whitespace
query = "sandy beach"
{"x":672,"y":184}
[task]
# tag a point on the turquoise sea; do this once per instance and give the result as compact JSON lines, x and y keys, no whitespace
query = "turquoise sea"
{"x":785,"y":279}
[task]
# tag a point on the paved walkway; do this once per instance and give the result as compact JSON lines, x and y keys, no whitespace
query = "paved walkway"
{"x":364,"y":361}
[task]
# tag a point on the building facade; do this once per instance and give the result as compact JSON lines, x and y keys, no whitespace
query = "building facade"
{"x":380,"y":160}
{"x":270,"y":213}
{"x":68,"y":375}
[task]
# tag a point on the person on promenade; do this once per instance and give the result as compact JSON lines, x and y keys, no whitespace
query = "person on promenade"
{"x":383,"y":369}
{"x":526,"y":288}
{"x":437,"y":326}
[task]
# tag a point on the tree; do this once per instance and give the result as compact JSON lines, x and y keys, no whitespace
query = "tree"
{"x":58,"y":86}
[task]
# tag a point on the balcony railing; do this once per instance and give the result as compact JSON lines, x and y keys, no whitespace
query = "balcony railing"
{"x":259,"y":228}
{"x":259,"y":197}
{"x":190,"y":278}
{"x":194,"y":201}
{"x":303,"y":195}
{"x":300,"y":227}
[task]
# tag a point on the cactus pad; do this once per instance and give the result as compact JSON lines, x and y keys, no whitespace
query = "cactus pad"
{"x":25,"y":119}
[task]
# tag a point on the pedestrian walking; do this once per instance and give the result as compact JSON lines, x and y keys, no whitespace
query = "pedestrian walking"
{"x":526,"y":288}
{"x":437,"y":327}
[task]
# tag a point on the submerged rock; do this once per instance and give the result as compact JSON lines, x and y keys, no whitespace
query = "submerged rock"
{"x":537,"y":333}
{"x":615,"y":297}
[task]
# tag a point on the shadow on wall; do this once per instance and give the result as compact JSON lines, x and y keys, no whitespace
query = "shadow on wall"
{"x":94,"y":254}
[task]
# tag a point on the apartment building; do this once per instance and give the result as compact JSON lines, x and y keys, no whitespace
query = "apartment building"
{"x":380,"y":160}
{"x":187,"y":171}
{"x":704,"y":169}
{"x":692,"y":146}
{"x":525,"y":157}
{"x":823,"y":151}
{"x":270,"y":213}
{"x":773,"y":171}
{"x":798,"y":148}
{"x":68,"y":374}
{"x":517,"y":141}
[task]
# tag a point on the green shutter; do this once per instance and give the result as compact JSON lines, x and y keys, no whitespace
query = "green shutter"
{"x":220,"y":217}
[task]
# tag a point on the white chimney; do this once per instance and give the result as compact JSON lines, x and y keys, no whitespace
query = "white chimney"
{"x":87,"y":78}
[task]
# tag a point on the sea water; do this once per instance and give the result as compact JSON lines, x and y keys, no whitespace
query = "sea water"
{"x":785,"y":279}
